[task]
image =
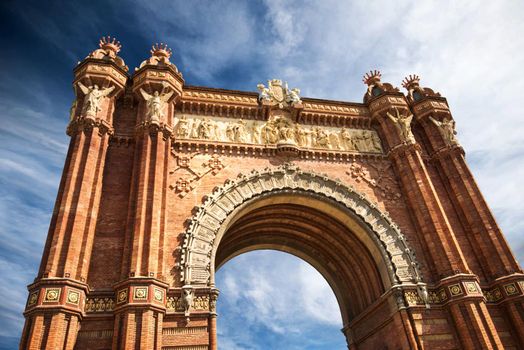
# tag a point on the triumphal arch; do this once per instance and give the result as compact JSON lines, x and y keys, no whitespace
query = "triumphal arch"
{"x":164,"y":182}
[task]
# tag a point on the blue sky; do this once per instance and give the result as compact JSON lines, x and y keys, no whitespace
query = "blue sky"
{"x":470,"y":51}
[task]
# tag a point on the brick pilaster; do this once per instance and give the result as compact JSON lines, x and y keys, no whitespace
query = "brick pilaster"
{"x":433,"y":228}
{"x":483,"y":233}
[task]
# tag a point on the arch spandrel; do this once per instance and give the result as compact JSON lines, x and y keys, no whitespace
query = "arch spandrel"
{"x":210,"y":220}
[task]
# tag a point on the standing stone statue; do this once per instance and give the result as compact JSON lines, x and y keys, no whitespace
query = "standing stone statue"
{"x":403,"y":125}
{"x":155,"y":104}
{"x":293,"y":96}
{"x":263,"y":93}
{"x":447,"y":129}
{"x":92,"y":99}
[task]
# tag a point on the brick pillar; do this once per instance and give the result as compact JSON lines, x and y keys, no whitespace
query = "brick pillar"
{"x":473,"y":322}
{"x":483,"y":233}
{"x":158,"y":85}
{"x":55,"y":303}
{"x":436,"y":235}
{"x":393,"y":118}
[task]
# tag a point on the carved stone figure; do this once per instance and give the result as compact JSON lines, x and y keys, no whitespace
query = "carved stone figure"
{"x":270,"y":132}
{"x":286,"y":132}
{"x":182,"y":129}
{"x":294,"y":96}
{"x":447,"y":129}
{"x":263,"y":94}
{"x":255,"y":132}
{"x":92,"y":99}
{"x":346,"y":140}
{"x":187,"y":299}
{"x":156,"y":103}
{"x":321,"y":138}
{"x":423,"y":294}
{"x":237,"y":131}
{"x":403,"y":125}
{"x":300,"y":135}
{"x":204,"y":129}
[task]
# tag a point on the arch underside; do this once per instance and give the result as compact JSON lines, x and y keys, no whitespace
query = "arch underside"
{"x":354,"y":245}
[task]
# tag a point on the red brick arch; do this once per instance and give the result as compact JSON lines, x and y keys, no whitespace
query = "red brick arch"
{"x":325,"y":222}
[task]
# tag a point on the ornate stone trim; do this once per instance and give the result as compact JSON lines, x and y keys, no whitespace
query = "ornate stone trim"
{"x":88,"y":123}
{"x":202,"y":229}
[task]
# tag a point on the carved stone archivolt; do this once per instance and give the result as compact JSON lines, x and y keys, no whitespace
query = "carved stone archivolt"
{"x":278,"y":129}
{"x":199,"y":240}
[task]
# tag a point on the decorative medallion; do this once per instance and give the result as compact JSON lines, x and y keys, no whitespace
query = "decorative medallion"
{"x":33,"y":298}
{"x":511,"y":289}
{"x":52,"y":294}
{"x":73,"y":297}
{"x":455,"y":290}
{"x":122,"y":296}
{"x":471,"y":287}
{"x":158,"y":295}
{"x":140,"y":293}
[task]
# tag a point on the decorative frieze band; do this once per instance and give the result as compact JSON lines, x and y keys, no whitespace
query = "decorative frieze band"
{"x":278,"y":130}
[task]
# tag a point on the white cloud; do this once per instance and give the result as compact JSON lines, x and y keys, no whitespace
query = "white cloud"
{"x":271,"y":291}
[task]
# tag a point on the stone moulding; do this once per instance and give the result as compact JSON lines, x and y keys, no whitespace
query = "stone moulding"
{"x":202,"y":229}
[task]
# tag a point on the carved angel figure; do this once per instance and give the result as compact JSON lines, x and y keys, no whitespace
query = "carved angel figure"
{"x":447,"y":130}
{"x":293,"y":96}
{"x":403,"y":125}
{"x":263,"y":94}
{"x":187,"y":298}
{"x":155,"y":103}
{"x":93,"y":97}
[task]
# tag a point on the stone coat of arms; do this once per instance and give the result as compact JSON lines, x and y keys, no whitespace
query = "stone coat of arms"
{"x":278,"y":93}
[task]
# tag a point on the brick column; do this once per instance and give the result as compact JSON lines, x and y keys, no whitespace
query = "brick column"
{"x":55,"y":303}
{"x":158,"y":85}
{"x":483,"y":233}
{"x":436,"y":129}
{"x":436,"y":235}
{"x":393,"y":118}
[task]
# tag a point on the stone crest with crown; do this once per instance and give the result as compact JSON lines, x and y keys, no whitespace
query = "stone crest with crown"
{"x":278,"y":94}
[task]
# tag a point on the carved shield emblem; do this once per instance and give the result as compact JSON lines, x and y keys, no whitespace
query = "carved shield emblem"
{"x":276,"y":90}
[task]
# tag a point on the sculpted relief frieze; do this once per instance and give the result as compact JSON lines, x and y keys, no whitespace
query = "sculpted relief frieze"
{"x":278,"y":129}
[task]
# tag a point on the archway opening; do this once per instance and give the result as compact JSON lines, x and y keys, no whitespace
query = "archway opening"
{"x":274,"y":300}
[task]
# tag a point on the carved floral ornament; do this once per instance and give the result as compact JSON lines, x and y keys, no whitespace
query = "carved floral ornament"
{"x":200,"y":236}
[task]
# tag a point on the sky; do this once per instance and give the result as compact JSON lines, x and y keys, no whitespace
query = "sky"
{"x":472,"y":52}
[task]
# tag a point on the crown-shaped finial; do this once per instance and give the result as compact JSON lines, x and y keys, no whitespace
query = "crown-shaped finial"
{"x":411,"y":81}
{"x":111,"y":44}
{"x":161,"y":50}
{"x":372,"y":77}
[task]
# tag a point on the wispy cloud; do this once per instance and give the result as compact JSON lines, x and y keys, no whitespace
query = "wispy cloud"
{"x":268,"y":291}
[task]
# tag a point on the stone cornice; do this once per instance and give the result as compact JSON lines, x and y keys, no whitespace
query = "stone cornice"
{"x":87,"y":123}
